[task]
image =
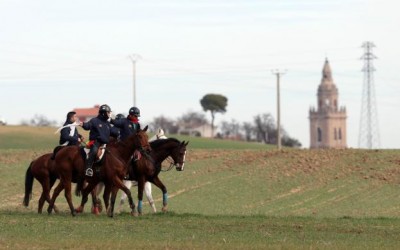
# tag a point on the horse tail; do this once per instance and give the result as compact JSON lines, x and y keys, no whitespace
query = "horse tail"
{"x":28,"y":185}
{"x":79,"y":187}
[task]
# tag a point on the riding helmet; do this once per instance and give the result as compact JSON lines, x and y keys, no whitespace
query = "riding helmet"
{"x":134,"y":111}
{"x":104,"y":109}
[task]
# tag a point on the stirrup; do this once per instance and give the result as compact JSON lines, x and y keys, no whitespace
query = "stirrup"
{"x":89,"y":172}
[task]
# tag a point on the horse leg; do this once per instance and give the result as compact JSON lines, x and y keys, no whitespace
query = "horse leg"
{"x":141,"y":182}
{"x":96,"y":203}
{"x":52,"y":181}
{"x":41,"y":201}
{"x":119,"y":184}
{"x":56,"y":192}
{"x":161,"y":186}
{"x":110,"y":210}
{"x":147,"y":190}
{"x":128,"y":185}
{"x":68,"y":196}
{"x":106,"y":195}
{"x":45,"y":196}
{"x":85,"y":194}
{"x":45,"y":190}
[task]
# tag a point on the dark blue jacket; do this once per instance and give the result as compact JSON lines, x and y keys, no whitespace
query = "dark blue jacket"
{"x":100,"y":129}
{"x":65,"y":135}
{"x":126,"y":127}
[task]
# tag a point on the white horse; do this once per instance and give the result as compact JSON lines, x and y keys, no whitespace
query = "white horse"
{"x":147,"y":186}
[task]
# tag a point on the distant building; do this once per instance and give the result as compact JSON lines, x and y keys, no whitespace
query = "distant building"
{"x":328,"y":122}
{"x":3,"y":121}
{"x":85,"y":114}
{"x":203,"y":130}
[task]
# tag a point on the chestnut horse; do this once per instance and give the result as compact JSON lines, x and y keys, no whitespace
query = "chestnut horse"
{"x":42,"y":168}
{"x":113,"y":169}
{"x":143,"y":171}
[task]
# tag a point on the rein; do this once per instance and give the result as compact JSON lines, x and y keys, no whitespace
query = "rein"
{"x":171,"y":164}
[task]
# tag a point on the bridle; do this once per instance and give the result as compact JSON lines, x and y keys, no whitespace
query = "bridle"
{"x":172,"y":163}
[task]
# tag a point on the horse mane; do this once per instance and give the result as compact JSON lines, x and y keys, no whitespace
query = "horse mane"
{"x":160,"y":142}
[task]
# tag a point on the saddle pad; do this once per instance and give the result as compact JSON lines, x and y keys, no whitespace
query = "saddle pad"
{"x":85,"y":153}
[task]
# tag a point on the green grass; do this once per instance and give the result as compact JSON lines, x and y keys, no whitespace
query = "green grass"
{"x":24,"y":230}
{"x":231,"y":195}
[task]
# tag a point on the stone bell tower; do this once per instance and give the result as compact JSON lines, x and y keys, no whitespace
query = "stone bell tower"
{"x":328,"y":121}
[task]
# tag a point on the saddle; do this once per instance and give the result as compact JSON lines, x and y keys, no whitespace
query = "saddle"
{"x":99,"y":156}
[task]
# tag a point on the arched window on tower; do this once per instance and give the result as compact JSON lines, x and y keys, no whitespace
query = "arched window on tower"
{"x":335,"y":103}
{"x":335,"y":134}
{"x":319,"y":134}
{"x":340,"y":133}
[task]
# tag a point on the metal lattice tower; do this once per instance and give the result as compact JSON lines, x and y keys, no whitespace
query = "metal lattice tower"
{"x":369,"y":131}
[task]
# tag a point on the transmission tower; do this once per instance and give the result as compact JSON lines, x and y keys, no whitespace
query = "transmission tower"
{"x":369,"y":132}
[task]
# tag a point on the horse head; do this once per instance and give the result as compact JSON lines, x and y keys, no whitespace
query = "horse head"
{"x":179,"y":155}
{"x":142,"y":139}
{"x":138,"y":141}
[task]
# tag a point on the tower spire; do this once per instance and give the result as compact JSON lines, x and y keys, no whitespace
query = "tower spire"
{"x":327,"y":73}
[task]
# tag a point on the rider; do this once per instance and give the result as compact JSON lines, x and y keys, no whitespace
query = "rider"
{"x":128,"y":125}
{"x":115,"y":129}
{"x":100,"y":131}
{"x":69,"y":135}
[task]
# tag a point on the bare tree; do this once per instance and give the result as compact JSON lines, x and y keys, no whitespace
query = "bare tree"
{"x":39,"y":121}
{"x":230,"y":129}
{"x":249,"y":130}
{"x":266,"y":128}
{"x":168,"y":125}
{"x":193,"y":119}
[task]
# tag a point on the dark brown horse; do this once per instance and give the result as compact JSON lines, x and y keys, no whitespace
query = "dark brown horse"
{"x":113,"y":169}
{"x":143,"y":171}
{"x":42,"y":168}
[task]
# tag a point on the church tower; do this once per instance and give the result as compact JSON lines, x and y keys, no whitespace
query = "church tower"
{"x":328,"y":121}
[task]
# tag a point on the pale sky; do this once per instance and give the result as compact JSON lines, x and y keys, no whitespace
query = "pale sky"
{"x":59,"y":55}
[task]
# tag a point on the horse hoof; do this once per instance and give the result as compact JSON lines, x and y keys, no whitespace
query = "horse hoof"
{"x":99,"y":205}
{"x":134,"y":214}
{"x":79,"y":210}
{"x":164,"y":209}
{"x":95,"y":210}
{"x":73,"y":213}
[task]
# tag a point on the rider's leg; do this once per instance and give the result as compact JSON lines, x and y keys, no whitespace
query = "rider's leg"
{"x":90,"y":160}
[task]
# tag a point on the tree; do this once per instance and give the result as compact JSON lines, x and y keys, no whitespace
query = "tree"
{"x":39,"y":121}
{"x":193,"y":119}
{"x":265,"y":127}
{"x":290,"y":142}
{"x":168,"y":125}
{"x":214,"y":103}
{"x":267,"y":131}
{"x":249,"y":131}
{"x":230,"y":129}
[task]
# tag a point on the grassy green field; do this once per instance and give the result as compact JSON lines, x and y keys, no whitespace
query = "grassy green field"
{"x":231,"y":195}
